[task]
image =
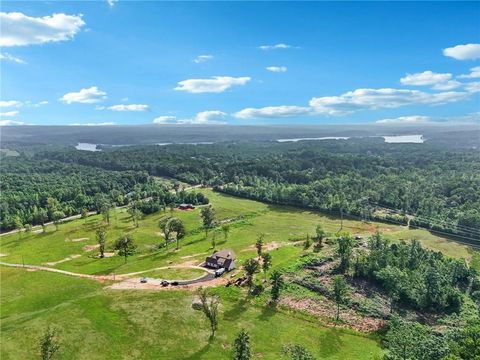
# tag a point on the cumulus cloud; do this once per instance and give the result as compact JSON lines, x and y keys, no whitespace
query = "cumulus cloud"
{"x":360,"y":100}
{"x":273,"y":112}
{"x":84,"y":96}
{"x":463,"y":52}
{"x":9,"y":113}
{"x":371,"y":99}
{"x":206,"y":117}
{"x":10,"y":103}
{"x":202,"y":118}
{"x":474,"y":73}
{"x":9,"y":57}
{"x":413,"y":119}
{"x":10,"y":123}
{"x":472,"y":87}
{"x":18,"y":29}
{"x":164,"y":120}
{"x":277,"y":69}
{"x":202,"y":58}
{"x":438,"y":81}
{"x":273,"y":47}
{"x":129,"y":107}
{"x":94,"y":124}
{"x":216,"y":84}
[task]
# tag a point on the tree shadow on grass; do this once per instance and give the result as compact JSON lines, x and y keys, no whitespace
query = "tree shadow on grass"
{"x":331,"y":342}
{"x":236,"y":311}
{"x":198,"y":354}
{"x":267,"y":313}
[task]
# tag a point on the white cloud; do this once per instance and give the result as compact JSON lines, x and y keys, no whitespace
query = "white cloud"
{"x":425,"y":78}
{"x":371,"y":99}
{"x":9,"y":113}
{"x":438,"y":81}
{"x":216,"y":84}
{"x":84,"y":96}
{"x":129,"y":107}
{"x":421,"y":119}
{"x":164,"y":120}
{"x":474,"y":73}
{"x":472,"y":87}
{"x":360,"y":100}
{"x":10,"y":123}
{"x":94,"y":124}
{"x":111,"y":2}
{"x":209,"y":117}
{"x":206,"y":117}
{"x":448,"y":85}
{"x":277,"y":69}
{"x":40,"y":103}
{"x":413,"y":119}
{"x":9,"y":57}
{"x":273,"y":47}
{"x":463,"y":52}
{"x":18,"y":29}
{"x":10,"y":103}
{"x":202,"y":58}
{"x":272,"y":112}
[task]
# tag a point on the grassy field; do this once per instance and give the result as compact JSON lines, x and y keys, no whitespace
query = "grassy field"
{"x":99,"y":323}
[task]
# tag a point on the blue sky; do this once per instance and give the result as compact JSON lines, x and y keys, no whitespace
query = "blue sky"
{"x":239,"y":63}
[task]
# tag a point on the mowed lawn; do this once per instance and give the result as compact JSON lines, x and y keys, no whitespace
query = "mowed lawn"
{"x":68,"y":248}
{"x":99,"y":323}
{"x":94,"y":323}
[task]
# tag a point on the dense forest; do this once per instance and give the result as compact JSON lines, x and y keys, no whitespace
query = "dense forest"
{"x":420,"y":184}
{"x":37,"y":191}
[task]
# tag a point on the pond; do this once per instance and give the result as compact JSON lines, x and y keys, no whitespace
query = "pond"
{"x":416,"y":139}
{"x":87,"y":147}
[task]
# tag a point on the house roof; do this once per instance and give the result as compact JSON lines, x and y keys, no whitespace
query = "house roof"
{"x":224,"y":254}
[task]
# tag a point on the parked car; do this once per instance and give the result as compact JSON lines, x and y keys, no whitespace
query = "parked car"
{"x":219,"y":272}
{"x":164,"y":283}
{"x":143,"y":280}
{"x":174,"y":283}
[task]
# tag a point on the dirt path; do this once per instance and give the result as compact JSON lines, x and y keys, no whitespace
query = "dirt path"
{"x":112,"y":277}
{"x":58,"y":271}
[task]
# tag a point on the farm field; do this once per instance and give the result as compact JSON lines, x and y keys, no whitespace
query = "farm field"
{"x":97,"y":322}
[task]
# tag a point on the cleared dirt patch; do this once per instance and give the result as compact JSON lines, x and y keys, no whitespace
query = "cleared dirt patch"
{"x":68,"y":258}
{"x":1,"y":254}
{"x":88,"y":248}
{"x":77,"y":240}
{"x":135,"y":284}
{"x":272,"y":245}
{"x":326,"y":310}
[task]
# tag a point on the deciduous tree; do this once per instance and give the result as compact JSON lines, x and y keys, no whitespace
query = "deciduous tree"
{"x":126,"y":246}
{"x":210,"y":304}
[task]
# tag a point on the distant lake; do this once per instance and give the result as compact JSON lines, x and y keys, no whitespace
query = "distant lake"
{"x":317,"y":138}
{"x":417,"y":139}
{"x":87,"y":147}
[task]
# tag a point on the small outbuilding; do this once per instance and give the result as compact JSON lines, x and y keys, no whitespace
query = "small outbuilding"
{"x":186,"y":207}
{"x":221,"y":259}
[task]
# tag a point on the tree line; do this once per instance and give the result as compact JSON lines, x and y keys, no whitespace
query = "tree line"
{"x":436,"y":188}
